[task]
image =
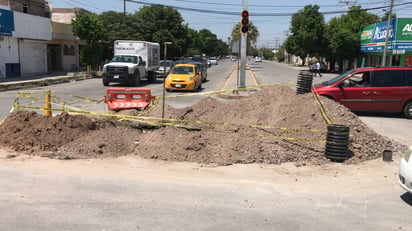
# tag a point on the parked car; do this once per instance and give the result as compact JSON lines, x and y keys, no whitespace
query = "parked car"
{"x":169,"y":64}
{"x":389,"y":89}
{"x":184,"y":76}
{"x":258,"y":59}
{"x":213,"y":60}
{"x":234,"y":58}
{"x":209,"y":64}
{"x":405,"y":171}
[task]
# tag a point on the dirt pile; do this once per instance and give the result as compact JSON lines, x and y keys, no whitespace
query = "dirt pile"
{"x":272,"y":125}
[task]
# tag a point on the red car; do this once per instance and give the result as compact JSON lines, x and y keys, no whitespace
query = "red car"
{"x":378,"y":89}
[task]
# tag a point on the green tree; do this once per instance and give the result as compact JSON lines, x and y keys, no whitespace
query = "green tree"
{"x":125,"y":27}
{"x":343,"y":35}
{"x":267,"y":53}
{"x":280,"y":55}
{"x":205,"y":42}
{"x":385,"y":16}
{"x":89,"y":28}
{"x":252,"y":35}
{"x":164,"y":24}
{"x":307,"y":32}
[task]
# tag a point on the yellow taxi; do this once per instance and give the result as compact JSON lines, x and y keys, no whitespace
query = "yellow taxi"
{"x":184,"y":76}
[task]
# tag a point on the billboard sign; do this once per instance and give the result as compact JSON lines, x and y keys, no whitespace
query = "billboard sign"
{"x":6,"y":22}
{"x":399,"y":38}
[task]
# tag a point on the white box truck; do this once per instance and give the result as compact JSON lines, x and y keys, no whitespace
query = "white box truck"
{"x":133,"y":62}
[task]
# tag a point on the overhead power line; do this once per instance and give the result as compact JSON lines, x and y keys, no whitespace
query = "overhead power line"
{"x":256,"y":14}
{"x":251,"y":5}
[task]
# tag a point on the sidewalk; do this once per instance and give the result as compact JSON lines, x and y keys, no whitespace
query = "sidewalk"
{"x":15,"y":83}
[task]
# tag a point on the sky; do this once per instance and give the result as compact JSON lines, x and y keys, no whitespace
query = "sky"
{"x":271,"y":17}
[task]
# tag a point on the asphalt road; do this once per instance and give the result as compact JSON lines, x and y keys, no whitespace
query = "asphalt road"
{"x":130,"y":193}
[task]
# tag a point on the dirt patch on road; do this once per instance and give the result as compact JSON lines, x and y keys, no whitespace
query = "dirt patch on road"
{"x":272,"y":125}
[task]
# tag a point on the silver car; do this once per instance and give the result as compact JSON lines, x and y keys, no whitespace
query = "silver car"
{"x":405,"y":171}
{"x":213,"y":60}
{"x":169,"y":64}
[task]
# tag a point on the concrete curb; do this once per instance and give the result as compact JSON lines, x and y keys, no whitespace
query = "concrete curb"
{"x":16,"y":85}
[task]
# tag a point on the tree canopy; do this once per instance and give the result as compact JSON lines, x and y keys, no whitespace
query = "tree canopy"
{"x":343,"y":34}
{"x":89,"y":28}
{"x":252,"y":36}
{"x":155,"y":23}
{"x":307,"y":32}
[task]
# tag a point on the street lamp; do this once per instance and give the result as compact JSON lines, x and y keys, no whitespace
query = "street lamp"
{"x":164,"y":79}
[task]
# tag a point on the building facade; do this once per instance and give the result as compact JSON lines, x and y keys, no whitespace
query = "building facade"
{"x":31,"y":43}
{"x":399,"y":46}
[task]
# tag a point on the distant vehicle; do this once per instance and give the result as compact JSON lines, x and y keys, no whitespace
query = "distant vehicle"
{"x":233,"y":59}
{"x":133,"y":61}
{"x":184,"y":76}
{"x":258,"y":59}
{"x":377,"y":89}
{"x":213,"y":60}
{"x":202,"y":59}
{"x":405,"y":171}
{"x":169,"y":64}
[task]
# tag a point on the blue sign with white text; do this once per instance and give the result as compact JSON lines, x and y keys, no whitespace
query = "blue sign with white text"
{"x":6,"y":22}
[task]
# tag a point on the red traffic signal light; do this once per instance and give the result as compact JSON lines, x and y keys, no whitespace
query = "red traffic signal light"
{"x":245,"y":14}
{"x":244,"y":23}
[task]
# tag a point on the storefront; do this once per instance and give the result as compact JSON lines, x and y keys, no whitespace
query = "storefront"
{"x":399,"y":48}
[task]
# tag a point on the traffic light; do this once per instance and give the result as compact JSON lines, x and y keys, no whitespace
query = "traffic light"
{"x":244,"y":23}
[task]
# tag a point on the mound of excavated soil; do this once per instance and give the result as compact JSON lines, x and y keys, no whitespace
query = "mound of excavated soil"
{"x":272,"y":125}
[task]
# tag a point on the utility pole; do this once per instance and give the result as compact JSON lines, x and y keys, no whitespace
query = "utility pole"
{"x":385,"y":49}
{"x":243,"y":45}
{"x":124,"y":7}
{"x":286,"y":32}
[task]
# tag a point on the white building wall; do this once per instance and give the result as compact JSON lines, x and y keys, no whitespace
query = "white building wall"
{"x":32,"y":32}
{"x":63,"y":17}
{"x":32,"y":57}
{"x":32,"y":26}
{"x":8,"y":53}
{"x":70,"y":63}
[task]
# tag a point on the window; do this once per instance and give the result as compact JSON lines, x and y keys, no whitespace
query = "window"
{"x":68,"y":50}
{"x":389,"y":78}
{"x":25,"y":8}
{"x":409,"y":77}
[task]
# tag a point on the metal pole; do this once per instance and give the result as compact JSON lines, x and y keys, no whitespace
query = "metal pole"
{"x":124,"y":7}
{"x":164,"y":79}
{"x":385,"y":49}
{"x":243,"y":44}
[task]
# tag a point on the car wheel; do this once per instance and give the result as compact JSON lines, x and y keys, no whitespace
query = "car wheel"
{"x":407,"y":110}
{"x":105,"y":82}
{"x":152,"y":77}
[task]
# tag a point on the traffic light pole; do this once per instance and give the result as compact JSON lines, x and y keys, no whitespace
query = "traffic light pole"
{"x":242,"y":78}
{"x":244,"y":24}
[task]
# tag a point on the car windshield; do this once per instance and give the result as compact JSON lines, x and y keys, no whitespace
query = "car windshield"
{"x":124,"y":59}
{"x":182,"y":70}
{"x":336,"y":79}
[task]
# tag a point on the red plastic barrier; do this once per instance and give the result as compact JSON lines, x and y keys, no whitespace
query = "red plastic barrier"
{"x":123,"y":98}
